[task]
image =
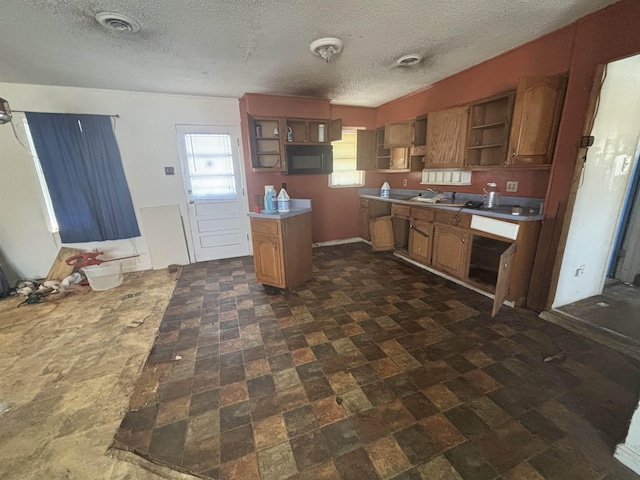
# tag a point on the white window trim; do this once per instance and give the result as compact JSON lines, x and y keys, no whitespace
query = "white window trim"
{"x":362,"y":172}
{"x":50,"y":216}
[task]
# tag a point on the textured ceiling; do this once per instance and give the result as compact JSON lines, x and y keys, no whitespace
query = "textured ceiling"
{"x":229,"y":47}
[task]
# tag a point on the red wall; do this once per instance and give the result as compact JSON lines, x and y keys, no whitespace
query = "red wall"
{"x":335,"y":210}
{"x":607,"y":35}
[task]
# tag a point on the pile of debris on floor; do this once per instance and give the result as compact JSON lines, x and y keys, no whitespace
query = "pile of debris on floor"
{"x":72,"y":269}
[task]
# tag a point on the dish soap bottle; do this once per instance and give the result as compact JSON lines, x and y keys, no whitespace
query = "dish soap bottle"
{"x":385,"y":190}
{"x":270,"y":199}
{"x":284,"y":202}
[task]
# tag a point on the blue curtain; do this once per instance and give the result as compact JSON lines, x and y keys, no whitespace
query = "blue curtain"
{"x":83,"y":169}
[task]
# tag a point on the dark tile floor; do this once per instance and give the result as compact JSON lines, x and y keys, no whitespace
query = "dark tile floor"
{"x":372,"y":369}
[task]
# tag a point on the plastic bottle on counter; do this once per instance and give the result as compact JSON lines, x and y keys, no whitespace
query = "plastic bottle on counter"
{"x":270,"y":205}
{"x":284,"y":201}
{"x":385,"y":190}
{"x":491,"y":196}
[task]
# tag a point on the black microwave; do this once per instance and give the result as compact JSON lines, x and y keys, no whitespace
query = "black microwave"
{"x":309,"y":159}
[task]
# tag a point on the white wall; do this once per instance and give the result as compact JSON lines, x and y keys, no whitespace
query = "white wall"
{"x":605,"y":181}
{"x":146,"y":136}
{"x":629,"y":452}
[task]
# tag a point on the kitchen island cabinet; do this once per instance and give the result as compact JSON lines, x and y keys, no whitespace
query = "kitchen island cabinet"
{"x":282,"y":254}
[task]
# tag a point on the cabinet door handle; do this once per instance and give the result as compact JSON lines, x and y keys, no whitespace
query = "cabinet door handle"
{"x":464,"y":240}
{"x":513,"y":153}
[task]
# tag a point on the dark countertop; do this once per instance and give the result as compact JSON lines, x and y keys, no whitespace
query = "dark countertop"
{"x":503,"y":212}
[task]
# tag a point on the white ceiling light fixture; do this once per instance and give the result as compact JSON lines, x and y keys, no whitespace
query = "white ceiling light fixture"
{"x":326,"y":47}
{"x":409,"y":60}
{"x":117,"y":22}
{"x":5,"y":111}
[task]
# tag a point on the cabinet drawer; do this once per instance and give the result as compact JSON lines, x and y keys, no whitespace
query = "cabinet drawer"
{"x":364,"y":202}
{"x":454,"y":218}
{"x":426,"y":214}
{"x":400,"y":210}
{"x":265,"y":226}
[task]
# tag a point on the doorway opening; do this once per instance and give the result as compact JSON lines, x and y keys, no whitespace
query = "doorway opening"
{"x":596,"y":293}
{"x":214,"y":191}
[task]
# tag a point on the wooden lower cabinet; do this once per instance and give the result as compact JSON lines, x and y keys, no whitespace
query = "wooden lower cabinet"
{"x":382,"y":238}
{"x":268,"y":259}
{"x":451,"y":250}
{"x":363,"y":222}
{"x":420,"y":239}
{"x":282,"y":250}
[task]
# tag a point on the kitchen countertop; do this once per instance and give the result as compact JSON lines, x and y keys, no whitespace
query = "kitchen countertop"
{"x":502,"y":212}
{"x":298,"y":207}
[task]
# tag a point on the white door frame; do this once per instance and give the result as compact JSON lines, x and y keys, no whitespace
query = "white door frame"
{"x":236,"y":131}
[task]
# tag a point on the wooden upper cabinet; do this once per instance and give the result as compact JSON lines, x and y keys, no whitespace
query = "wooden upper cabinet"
{"x":310,"y":130}
{"x":489,"y":127}
{"x":267,"y":153}
{"x":366,"y":150}
{"x":447,"y":138}
{"x":335,"y":130}
{"x":536,"y":115}
{"x":399,"y":134}
{"x":373,"y":154}
{"x":420,"y":136}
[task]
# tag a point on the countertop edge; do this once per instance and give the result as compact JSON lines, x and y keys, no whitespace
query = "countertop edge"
{"x":276,"y":216}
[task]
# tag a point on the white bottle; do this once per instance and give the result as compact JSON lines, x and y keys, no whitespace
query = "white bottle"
{"x":284,"y":202}
{"x":385,"y":190}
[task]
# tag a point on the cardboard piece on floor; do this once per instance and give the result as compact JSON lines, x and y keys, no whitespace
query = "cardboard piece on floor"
{"x":60,"y":269}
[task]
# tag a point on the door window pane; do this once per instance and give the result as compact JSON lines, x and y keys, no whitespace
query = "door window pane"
{"x":210,"y":166}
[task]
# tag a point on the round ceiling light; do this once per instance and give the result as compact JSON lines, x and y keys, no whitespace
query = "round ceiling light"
{"x":117,"y":22}
{"x":326,"y":47}
{"x":409,"y":60}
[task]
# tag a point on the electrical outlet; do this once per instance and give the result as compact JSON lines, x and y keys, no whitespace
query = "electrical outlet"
{"x":169,"y":171}
{"x":404,"y":182}
{"x":512,"y":186}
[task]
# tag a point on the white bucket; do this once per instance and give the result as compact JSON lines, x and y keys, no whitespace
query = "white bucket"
{"x":104,"y":276}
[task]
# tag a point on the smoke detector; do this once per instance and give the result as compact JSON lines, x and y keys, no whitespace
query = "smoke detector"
{"x":409,"y":60}
{"x":326,"y":47}
{"x":117,"y":22}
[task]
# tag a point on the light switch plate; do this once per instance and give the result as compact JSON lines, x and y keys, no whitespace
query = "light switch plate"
{"x":169,"y":171}
{"x":512,"y":186}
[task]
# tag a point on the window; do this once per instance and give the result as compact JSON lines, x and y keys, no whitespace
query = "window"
{"x":344,"y":161}
{"x":83,"y":171}
{"x":210,"y":166}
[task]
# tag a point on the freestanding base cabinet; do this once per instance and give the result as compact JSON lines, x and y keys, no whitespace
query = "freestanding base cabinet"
{"x":282,"y":249}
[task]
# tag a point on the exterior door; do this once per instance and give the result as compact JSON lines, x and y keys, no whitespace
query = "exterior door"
{"x":215,"y":196}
